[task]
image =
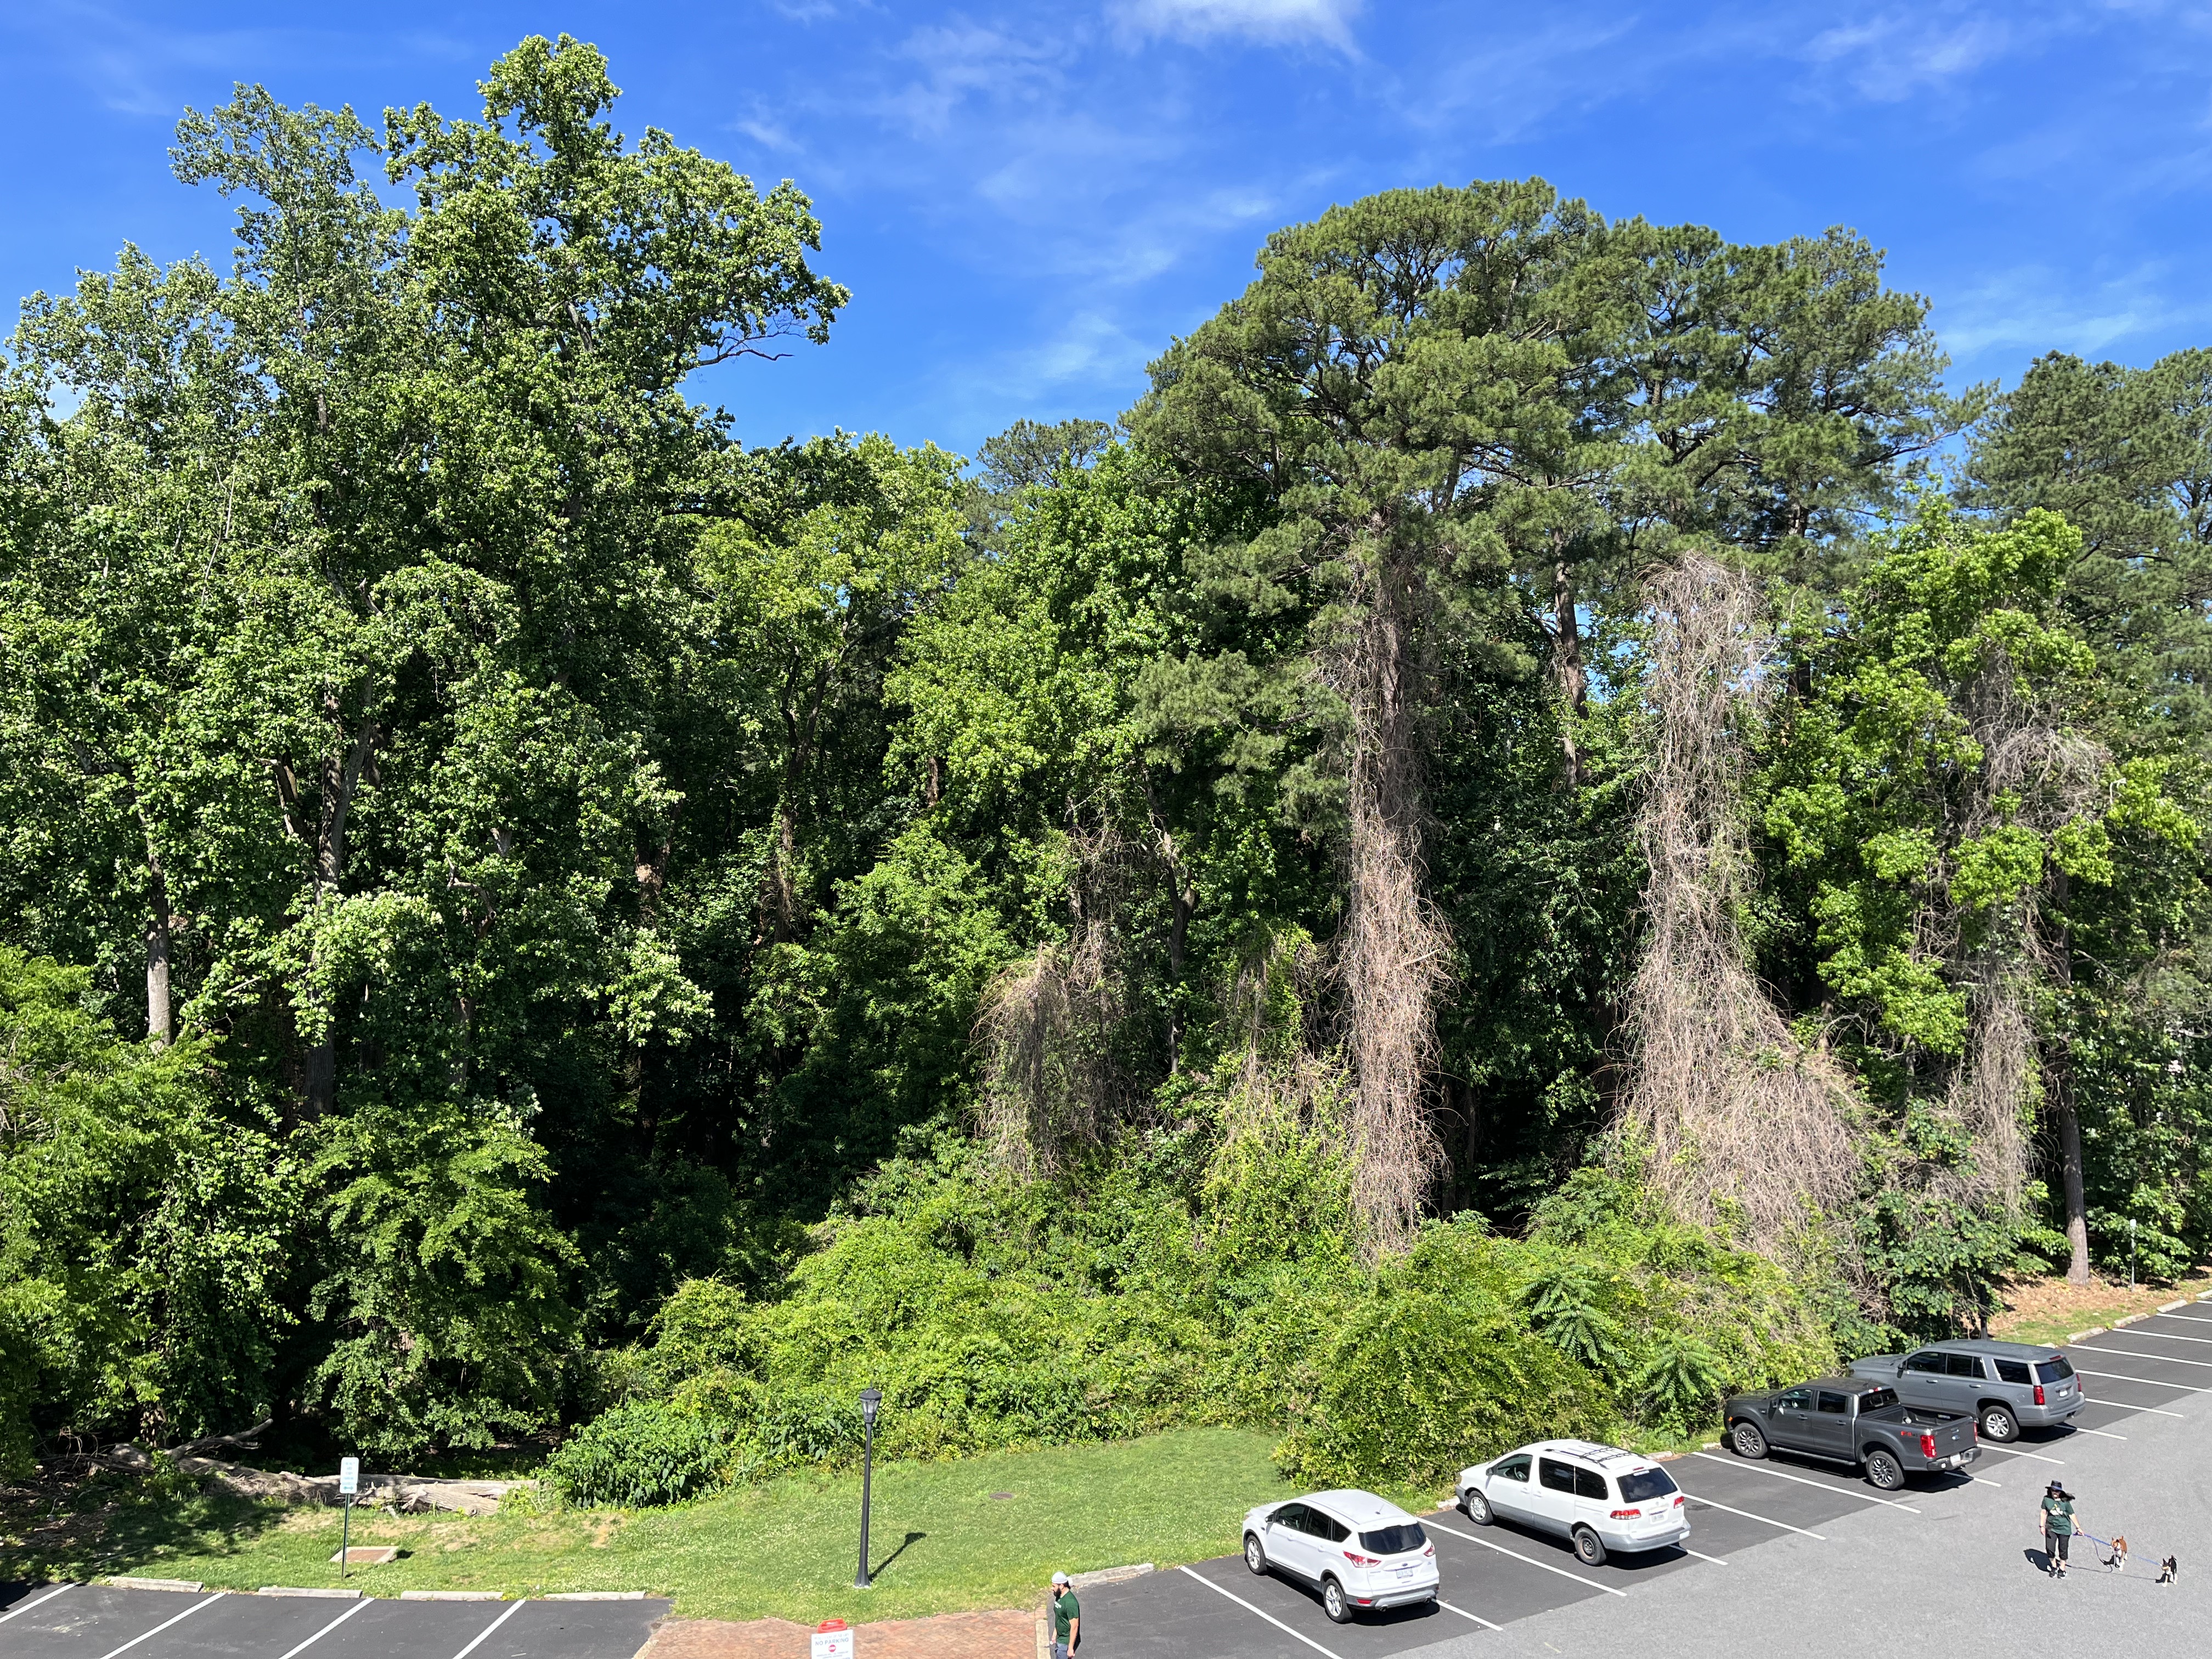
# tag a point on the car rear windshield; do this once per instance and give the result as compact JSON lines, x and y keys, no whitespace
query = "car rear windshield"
{"x":2053,"y":1371}
{"x":1877,"y":1399}
{"x":1644,"y":1486}
{"x":1395,"y":1541}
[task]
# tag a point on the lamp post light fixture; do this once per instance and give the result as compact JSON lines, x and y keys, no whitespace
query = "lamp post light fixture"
{"x":871,"y":1399}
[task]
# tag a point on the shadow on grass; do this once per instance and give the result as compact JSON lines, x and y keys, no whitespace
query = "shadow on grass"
{"x":912,"y":1539}
{"x":114,"y":1524}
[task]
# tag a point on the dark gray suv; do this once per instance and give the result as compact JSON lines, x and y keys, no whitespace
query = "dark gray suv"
{"x":2009,"y":1386}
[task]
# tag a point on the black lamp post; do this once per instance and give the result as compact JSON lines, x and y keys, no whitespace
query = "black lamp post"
{"x":870,"y":1399}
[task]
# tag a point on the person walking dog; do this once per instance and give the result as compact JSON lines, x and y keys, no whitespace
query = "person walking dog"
{"x":2058,"y":1527}
{"x":1067,"y":1617}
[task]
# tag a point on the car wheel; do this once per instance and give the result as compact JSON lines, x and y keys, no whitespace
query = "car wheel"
{"x":1748,"y":1441}
{"x":1478,"y":1507}
{"x":1884,"y":1471}
{"x":1998,"y":1424}
{"x":1589,"y":1548}
{"x":1255,"y":1556}
{"x":1334,"y":1603}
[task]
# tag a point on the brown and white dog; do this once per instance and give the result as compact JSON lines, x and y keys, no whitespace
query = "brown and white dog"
{"x":2117,"y":1561}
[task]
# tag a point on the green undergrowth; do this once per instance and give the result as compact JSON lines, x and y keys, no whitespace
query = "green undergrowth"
{"x":1201,"y":1282}
{"x":786,"y":1548}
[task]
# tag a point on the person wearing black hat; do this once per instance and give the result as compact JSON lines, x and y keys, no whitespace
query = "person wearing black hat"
{"x":2058,"y":1527}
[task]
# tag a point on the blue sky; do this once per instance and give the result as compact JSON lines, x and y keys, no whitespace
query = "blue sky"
{"x":1029,"y":201}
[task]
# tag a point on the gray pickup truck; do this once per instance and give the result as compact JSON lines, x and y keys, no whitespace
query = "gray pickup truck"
{"x":1845,"y":1418}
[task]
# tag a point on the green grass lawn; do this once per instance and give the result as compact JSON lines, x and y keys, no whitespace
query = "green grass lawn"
{"x":942,"y":1542}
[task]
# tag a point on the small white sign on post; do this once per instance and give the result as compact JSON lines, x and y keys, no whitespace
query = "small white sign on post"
{"x":832,"y":1640}
{"x":349,"y":1476}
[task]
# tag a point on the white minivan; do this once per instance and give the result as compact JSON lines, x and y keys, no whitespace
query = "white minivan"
{"x":1359,"y":1550}
{"x":1600,"y":1498}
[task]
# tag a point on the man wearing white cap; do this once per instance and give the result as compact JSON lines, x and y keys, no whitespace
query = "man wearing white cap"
{"x":1067,"y":1617}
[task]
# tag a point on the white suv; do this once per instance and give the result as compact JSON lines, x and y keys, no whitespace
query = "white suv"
{"x":1361,"y":1550}
{"x":1599,"y":1496}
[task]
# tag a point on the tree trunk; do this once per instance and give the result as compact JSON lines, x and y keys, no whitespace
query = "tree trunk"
{"x":2069,"y":1164}
{"x":1567,"y":663}
{"x":1182,"y":898}
{"x":158,"y":1029}
{"x":801,"y":728}
{"x":341,"y":778}
{"x":2058,"y":1069}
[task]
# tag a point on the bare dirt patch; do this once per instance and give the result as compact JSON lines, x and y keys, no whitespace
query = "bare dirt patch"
{"x":1004,"y":1633}
{"x":2050,"y":1309}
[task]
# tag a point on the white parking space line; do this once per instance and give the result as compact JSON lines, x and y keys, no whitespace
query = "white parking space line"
{"x":2168,"y":1336}
{"x":1983,"y":1480}
{"x":1716,"y":1503}
{"x":335,"y":1623}
{"x":1779,"y":1474}
{"x":517,"y":1607}
{"x":2147,"y":1382}
{"x":2138,"y":1353}
{"x":1531,"y":1560}
{"x":2014,"y":1451}
{"x":1701,"y":1555}
{"x":2101,"y":1434}
{"x":1238,"y":1599}
{"x":1464,"y":1613}
{"x":41,"y":1602}
{"x":163,"y":1625}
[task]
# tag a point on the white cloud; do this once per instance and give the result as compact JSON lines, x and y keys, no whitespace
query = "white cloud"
{"x":1326,"y":21}
{"x":1891,"y":57}
{"x":2040,"y":309}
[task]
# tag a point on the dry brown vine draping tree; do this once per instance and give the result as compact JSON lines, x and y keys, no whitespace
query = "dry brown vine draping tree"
{"x":1373,"y":386}
{"x":1053,"y":1084}
{"x":1741,"y":1123}
{"x":1391,"y":961}
{"x":2037,"y":775}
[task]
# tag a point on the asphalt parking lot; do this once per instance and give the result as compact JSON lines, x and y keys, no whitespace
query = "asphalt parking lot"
{"x":1505,"y":1589}
{"x":100,"y":1621}
{"x":1788,"y":1556}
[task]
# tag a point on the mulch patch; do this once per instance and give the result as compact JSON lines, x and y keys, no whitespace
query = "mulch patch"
{"x":1004,"y":1633}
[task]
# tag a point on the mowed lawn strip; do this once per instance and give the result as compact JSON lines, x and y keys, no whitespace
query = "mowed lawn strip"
{"x":789,"y":1549}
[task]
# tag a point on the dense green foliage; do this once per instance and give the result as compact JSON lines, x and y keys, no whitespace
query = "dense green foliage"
{"x":521,"y":912}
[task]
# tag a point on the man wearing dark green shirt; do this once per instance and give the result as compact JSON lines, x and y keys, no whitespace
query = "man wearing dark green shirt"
{"x":1067,"y":1617}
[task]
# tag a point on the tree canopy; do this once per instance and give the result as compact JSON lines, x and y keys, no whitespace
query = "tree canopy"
{"x":513,"y":902}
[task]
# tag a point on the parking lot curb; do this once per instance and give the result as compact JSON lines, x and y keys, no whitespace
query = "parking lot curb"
{"x":2083,"y":1336}
{"x":1109,"y":1575}
{"x":594,"y":1596}
{"x":2170,"y":1306}
{"x":189,"y":1586}
{"x":453,"y":1595}
{"x":295,"y":1590}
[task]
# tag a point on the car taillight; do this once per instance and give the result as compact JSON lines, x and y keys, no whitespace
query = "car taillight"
{"x":1928,"y":1445}
{"x":1626,"y":1515}
{"x":2038,"y":1394}
{"x":1361,"y":1561}
{"x":1432,"y":1550}
{"x":1678,"y":1500}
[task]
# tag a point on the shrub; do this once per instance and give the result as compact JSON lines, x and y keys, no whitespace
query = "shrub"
{"x":1422,"y":1383}
{"x":639,"y":1453}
